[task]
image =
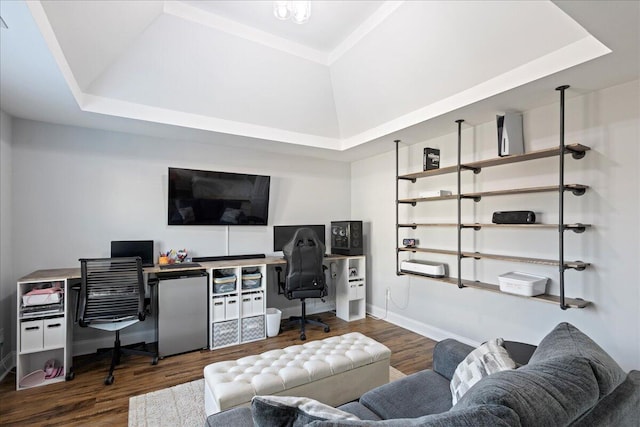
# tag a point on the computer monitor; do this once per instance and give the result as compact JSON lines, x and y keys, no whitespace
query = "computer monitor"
{"x":282,"y":234}
{"x":127,"y":248}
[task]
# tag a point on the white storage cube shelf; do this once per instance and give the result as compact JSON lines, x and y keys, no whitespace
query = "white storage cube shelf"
{"x":43,"y":332}
{"x":236,"y":295}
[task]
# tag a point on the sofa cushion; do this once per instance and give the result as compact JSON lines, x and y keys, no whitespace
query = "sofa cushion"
{"x":489,"y":358}
{"x":550,"y":393}
{"x":479,"y":416}
{"x":566,"y":339}
{"x":415,"y":395}
{"x":271,"y":411}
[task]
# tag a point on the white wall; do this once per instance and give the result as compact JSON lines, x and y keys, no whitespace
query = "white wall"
{"x":75,"y":190}
{"x":7,"y":282}
{"x":607,"y":121}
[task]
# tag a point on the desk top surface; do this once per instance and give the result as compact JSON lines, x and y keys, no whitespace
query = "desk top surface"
{"x":74,"y":273}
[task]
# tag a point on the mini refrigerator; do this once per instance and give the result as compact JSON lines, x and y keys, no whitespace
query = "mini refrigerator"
{"x":182,"y":312}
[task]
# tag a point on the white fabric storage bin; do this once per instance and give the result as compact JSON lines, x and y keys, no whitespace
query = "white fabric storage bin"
{"x":224,"y":333}
{"x":522,"y":283}
{"x":218,"y":309}
{"x":252,"y":328}
{"x":31,"y":335}
{"x":231,"y":309}
{"x":53,"y":332}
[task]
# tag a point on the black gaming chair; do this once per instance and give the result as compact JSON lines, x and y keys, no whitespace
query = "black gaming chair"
{"x":304,"y":277}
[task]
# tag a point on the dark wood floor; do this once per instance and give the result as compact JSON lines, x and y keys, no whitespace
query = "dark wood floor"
{"x":86,"y":401}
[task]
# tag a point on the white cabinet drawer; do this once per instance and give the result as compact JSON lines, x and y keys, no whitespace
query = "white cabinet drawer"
{"x":257,"y":303}
{"x":54,"y":332}
{"x":31,"y":335}
{"x":218,"y":309}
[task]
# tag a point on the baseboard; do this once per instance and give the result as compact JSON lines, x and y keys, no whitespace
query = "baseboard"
{"x":7,"y":364}
{"x":423,"y":329}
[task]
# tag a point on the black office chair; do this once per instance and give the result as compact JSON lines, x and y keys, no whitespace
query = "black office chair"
{"x":112,"y":298}
{"x":304,"y":277}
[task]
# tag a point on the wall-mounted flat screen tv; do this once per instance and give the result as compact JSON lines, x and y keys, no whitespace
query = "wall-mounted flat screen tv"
{"x":217,"y":198}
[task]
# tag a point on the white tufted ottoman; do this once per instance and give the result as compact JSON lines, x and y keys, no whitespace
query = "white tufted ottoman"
{"x":335,"y":371}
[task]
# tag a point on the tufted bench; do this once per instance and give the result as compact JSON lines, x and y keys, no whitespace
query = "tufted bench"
{"x":334,"y":370}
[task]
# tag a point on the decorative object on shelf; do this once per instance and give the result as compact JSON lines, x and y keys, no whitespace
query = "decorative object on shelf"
{"x":298,"y":11}
{"x":353,"y":272}
{"x":431,"y":159}
{"x":510,"y":134}
{"x":525,"y":284}
{"x":410,"y":243}
{"x":514,"y":217}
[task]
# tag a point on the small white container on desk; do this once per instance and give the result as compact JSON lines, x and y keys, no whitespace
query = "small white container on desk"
{"x":522,"y":283}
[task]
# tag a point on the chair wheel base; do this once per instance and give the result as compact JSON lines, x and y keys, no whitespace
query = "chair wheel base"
{"x":154,"y":361}
{"x":303,"y":337}
{"x":327,"y":329}
{"x":108,"y":380}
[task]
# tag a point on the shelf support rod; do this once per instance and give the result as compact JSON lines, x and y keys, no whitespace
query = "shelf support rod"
{"x":562,"y":148}
{"x":459,"y":169}
{"x":397,"y":141}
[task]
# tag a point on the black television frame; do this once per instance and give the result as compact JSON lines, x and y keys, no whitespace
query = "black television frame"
{"x":185,"y":207}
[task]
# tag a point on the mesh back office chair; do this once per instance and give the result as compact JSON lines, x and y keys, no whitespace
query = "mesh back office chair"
{"x":304,"y":277}
{"x":112,"y":298}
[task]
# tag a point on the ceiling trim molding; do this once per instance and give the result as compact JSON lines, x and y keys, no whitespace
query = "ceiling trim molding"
{"x":131,"y":110}
{"x":199,"y":16}
{"x":49,"y":36}
{"x":383,"y":12}
{"x":576,"y":53}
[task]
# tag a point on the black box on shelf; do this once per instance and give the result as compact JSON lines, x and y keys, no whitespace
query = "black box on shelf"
{"x":431,"y":159}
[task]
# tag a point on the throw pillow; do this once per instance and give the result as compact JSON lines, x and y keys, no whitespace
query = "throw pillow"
{"x":489,"y":358}
{"x":268,"y":411}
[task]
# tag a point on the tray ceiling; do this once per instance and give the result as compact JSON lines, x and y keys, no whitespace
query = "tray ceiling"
{"x":356,"y":72}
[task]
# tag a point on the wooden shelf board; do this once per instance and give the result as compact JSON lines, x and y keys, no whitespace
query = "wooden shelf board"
{"x":538,"y":154}
{"x":511,"y":191}
{"x":549,"y":188}
{"x":431,"y":251}
{"x":491,"y":225}
{"x":479,"y":255}
{"x":553,"y":299}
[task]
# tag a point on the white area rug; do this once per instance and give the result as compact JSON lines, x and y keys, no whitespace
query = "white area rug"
{"x":181,"y":405}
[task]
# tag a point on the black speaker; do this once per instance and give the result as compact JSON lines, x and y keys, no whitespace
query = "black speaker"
{"x":514,"y":217}
{"x":346,"y":237}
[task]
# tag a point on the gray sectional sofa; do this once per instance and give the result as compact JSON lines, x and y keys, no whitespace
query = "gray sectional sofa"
{"x":568,"y":380}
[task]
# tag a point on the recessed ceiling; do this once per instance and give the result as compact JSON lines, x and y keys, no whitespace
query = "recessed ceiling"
{"x":356,"y":73}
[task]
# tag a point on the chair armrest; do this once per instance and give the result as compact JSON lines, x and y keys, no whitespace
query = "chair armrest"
{"x":447,"y":355}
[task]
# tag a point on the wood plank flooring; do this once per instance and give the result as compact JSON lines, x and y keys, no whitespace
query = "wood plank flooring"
{"x":87,"y":401}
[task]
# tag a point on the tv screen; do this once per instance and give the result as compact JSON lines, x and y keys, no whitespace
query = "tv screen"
{"x":282,"y":234}
{"x":217,"y":198}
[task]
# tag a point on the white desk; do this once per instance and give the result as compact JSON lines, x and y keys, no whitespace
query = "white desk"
{"x":248,"y":321}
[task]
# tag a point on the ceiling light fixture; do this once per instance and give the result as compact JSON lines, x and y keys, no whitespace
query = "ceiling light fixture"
{"x":298,"y":11}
